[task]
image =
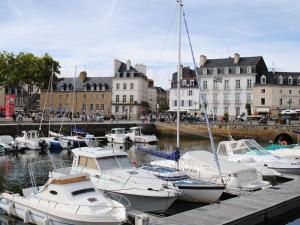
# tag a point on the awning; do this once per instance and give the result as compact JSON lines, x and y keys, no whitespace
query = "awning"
{"x":262,"y":110}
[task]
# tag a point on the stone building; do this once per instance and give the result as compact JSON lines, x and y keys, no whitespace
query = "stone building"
{"x":129,"y":90}
{"x":92,"y":95}
{"x":226,"y":83}
{"x":276,"y":91}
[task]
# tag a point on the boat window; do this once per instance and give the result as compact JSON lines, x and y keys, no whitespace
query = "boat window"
{"x":82,"y":161}
{"x":91,"y":163}
{"x":32,"y":135}
{"x":53,"y":192}
{"x":120,"y":131}
{"x":83,"y":191}
{"x":137,"y":132}
{"x":108,"y":163}
{"x":113,"y":131}
{"x":124,"y":161}
{"x":222,"y":150}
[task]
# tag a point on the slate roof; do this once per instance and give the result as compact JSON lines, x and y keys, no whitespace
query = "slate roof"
{"x":273,"y":78}
{"x":187,"y":74}
{"x":80,"y":86}
{"x":229,"y":62}
{"x":123,"y":69}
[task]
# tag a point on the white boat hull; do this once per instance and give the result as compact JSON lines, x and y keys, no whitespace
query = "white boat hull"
{"x":149,"y":204}
{"x":35,"y":215}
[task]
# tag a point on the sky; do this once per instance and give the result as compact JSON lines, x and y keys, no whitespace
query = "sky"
{"x":90,"y":34}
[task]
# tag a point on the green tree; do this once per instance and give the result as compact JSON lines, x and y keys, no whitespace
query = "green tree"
{"x":28,"y":72}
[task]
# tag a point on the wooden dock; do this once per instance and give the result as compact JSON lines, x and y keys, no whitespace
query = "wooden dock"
{"x":252,"y":208}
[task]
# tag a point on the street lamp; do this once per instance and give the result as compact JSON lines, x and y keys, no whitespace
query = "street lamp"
{"x":289,"y":116}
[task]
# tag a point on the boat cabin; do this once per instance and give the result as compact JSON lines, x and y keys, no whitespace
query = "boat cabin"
{"x":247,"y":147}
{"x":118,"y":131}
{"x":100,"y":159}
{"x":32,"y":134}
{"x":137,"y":131}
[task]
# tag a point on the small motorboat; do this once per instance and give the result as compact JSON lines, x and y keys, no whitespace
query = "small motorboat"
{"x":117,"y":135}
{"x":112,"y":172}
{"x":249,"y":152}
{"x":284,"y":150}
{"x":200,"y":165}
{"x":192,"y":190}
{"x":64,"y":200}
{"x":29,"y":140}
{"x":136,"y":136}
{"x":6,"y":143}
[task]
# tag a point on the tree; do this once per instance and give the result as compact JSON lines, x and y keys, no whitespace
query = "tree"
{"x":28,"y":72}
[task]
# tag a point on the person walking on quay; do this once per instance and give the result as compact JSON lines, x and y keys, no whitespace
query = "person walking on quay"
{"x":14,"y":117}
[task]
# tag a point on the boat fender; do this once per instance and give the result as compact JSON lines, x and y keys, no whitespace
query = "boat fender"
{"x":10,"y":208}
{"x":26,"y":216}
{"x":46,"y":221}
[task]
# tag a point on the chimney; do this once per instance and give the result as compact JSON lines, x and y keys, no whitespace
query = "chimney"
{"x":236,"y":58}
{"x":82,"y":76}
{"x":116,"y":68}
{"x":128,"y":64}
{"x":141,"y":68}
{"x":203,"y":60}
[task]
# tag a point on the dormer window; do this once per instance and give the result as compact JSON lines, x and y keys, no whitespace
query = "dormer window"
{"x":184,"y":83}
{"x":204,"y":71}
{"x":263,"y":79}
{"x":70,"y":87}
{"x":216,"y":71}
{"x":280,"y":80}
{"x":65,"y":87}
{"x":226,"y":70}
{"x":298,"y":81}
{"x":88,"y":87}
{"x":238,"y":70}
{"x":95,"y":86}
{"x":124,"y":74}
{"x":192,"y":82}
{"x":290,"y":80}
{"x":249,"y":69}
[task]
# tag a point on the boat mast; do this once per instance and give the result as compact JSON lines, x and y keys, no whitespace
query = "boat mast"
{"x":179,"y":75}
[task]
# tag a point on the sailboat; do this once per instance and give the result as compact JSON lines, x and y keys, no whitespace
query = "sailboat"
{"x":193,"y":190}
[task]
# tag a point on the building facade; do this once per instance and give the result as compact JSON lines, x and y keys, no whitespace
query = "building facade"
{"x":226,"y":83}
{"x":276,"y":91}
{"x":92,"y":95}
{"x":129,"y":90}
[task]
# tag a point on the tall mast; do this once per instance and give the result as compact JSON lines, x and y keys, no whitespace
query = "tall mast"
{"x":179,"y":73}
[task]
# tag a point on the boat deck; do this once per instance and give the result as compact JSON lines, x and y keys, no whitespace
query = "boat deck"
{"x":251,"y":208}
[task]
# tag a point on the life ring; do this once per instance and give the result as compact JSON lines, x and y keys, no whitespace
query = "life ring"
{"x":283,"y":143}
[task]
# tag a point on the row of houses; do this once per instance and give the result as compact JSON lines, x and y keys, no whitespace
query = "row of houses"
{"x":233,"y":85}
{"x":128,"y":93}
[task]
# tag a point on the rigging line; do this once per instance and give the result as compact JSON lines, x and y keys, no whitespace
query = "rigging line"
{"x":40,"y":127}
{"x":165,"y":42}
{"x":51,"y":98}
{"x":202,"y":100}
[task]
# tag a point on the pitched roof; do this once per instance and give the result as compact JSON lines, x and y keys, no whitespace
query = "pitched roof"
{"x":229,"y":62}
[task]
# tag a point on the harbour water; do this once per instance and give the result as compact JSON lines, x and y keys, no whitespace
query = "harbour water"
{"x":14,"y":173}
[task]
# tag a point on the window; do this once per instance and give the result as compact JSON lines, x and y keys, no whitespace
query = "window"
{"x":249,"y":69}
{"x":204,"y":85}
{"x":91,"y":107}
{"x":102,"y":107}
{"x":204,"y":71}
{"x":117,"y":108}
{"x":190,"y":92}
{"x":131,"y":98}
{"x":84,"y":96}
{"x":238,"y":70}
{"x":215,"y":110}
{"x":262,"y":101}
{"x":263,"y":79}
{"x":263,"y":91}
{"x":280,"y":101}
{"x":124,"y":86}
{"x":124,"y":98}
{"x":226,"y":70}
{"x":249,"y":83}
{"x":190,"y":103}
{"x":226,"y":99}
{"x":118,"y":86}
{"x":175,"y":102}
{"x":215,"y":85}
{"x":226,"y":85}
{"x":83,"y":106}
{"x":117,"y":98}
{"x":280,"y":91}
{"x":215,"y":98}
{"x":131,"y":86}
{"x":184,"y":82}
{"x":21,"y":102}
{"x":237,"y":84}
{"x":53,"y":192}
{"x":237,"y":98}
{"x":222,"y":150}
{"x":290,"y":92}
{"x":298,"y":81}
{"x":97,"y":107}
{"x":95,"y":87}
{"x":114,"y":162}
{"x":87,"y":162}
{"x":83,"y":191}
{"x":182,"y":102}
{"x":225,"y":109}
{"x":237,"y":111}
{"x":280,"y":80}
{"x":88,"y":87}
{"x":290,"y":80}
{"x":192,"y":83}
{"x":249,"y":98}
